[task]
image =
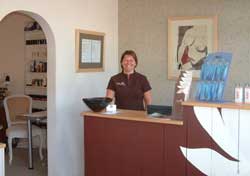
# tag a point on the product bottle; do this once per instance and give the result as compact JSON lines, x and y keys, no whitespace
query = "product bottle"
{"x":238,"y":94}
{"x":247,"y":94}
{"x":31,"y":67}
{"x":34,"y":65}
{"x":44,"y":81}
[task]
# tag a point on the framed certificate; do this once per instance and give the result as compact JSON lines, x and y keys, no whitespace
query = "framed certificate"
{"x":89,"y":51}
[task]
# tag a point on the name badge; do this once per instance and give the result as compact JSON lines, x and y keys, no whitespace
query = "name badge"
{"x":120,"y":84}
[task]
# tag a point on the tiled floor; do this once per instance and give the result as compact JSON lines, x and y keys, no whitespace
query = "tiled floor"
{"x":20,"y":164}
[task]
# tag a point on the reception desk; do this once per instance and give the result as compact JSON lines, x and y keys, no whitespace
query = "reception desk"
{"x":210,"y":139}
{"x":218,"y":139}
{"x":131,"y":143}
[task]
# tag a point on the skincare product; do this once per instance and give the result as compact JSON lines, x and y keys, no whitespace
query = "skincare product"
{"x":238,"y":94}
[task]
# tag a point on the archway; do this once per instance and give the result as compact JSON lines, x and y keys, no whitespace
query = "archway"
{"x":51,"y":55}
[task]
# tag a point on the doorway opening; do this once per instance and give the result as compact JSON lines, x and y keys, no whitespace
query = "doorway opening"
{"x":28,"y":60}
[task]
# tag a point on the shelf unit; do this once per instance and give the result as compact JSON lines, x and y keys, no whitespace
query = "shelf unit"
{"x":36,"y":68}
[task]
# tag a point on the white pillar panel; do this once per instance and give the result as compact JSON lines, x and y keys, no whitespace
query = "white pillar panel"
{"x":223,"y":129}
{"x":225,"y":134}
{"x":244,"y":142}
{"x":204,"y":116}
{"x":200,"y":158}
{"x":230,"y":118}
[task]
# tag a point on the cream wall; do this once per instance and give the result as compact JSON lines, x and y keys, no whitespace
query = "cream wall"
{"x":12,"y":51}
{"x":143,"y":27}
{"x":59,"y":19}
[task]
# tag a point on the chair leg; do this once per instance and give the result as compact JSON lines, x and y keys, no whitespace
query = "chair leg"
{"x":41,"y":146}
{"x":10,"y":149}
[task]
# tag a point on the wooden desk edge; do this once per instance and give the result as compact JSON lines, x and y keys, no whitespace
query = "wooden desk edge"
{"x":135,"y":116}
{"x":229,"y":105}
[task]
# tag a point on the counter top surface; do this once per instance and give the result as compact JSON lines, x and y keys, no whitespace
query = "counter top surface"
{"x":229,"y":105}
{"x":134,"y":116}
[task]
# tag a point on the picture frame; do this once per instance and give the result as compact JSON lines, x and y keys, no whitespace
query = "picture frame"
{"x":89,"y":51}
{"x":190,"y":39}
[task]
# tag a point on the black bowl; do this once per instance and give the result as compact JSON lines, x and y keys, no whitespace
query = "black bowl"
{"x":97,"y":104}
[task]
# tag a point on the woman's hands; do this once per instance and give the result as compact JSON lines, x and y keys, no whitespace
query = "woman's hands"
{"x":110,"y":93}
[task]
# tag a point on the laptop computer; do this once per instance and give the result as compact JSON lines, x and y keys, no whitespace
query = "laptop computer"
{"x":159,"y":111}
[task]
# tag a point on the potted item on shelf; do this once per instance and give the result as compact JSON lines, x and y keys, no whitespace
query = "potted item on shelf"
{"x":38,"y":67}
{"x":32,"y":26}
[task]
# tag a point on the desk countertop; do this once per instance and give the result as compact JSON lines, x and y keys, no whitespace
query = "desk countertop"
{"x":133,"y":116}
{"x":228,"y":105}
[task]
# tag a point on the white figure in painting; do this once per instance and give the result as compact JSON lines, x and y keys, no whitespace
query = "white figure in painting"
{"x":192,"y":49}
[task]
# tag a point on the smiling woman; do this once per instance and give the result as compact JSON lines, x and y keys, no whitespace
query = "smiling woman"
{"x":130,"y":89}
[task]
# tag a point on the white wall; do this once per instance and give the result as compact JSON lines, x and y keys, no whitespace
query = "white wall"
{"x":65,"y":87}
{"x":12,"y":51}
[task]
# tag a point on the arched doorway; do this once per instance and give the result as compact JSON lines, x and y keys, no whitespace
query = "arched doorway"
{"x":50,"y":71}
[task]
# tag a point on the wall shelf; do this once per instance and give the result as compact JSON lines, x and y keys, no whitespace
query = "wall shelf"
{"x":36,"y":68}
{"x":36,"y":87}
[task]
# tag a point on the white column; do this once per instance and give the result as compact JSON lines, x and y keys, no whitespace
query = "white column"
{"x":244,"y":142}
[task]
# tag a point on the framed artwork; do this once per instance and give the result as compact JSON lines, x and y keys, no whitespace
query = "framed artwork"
{"x":89,"y":51}
{"x":190,"y":39}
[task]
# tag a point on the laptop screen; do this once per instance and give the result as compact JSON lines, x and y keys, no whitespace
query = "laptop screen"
{"x":159,"y":110}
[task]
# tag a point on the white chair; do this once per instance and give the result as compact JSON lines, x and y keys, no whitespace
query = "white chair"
{"x":14,"y":106}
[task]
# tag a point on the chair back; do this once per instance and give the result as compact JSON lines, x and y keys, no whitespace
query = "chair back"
{"x":14,"y":106}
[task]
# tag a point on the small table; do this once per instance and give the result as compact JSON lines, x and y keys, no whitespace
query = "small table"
{"x":36,"y":116}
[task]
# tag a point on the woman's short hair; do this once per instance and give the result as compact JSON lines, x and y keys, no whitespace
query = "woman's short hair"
{"x":130,"y":53}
